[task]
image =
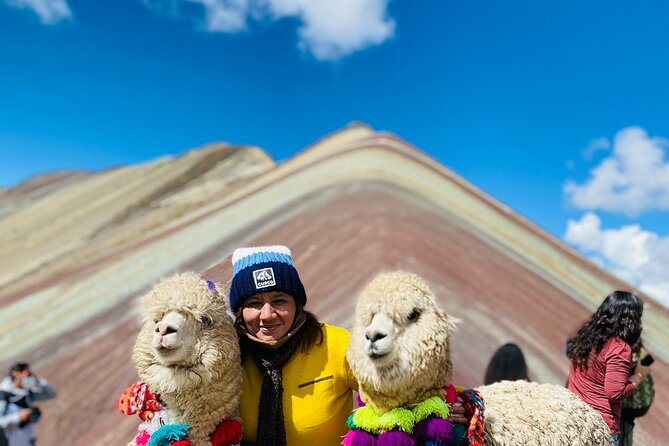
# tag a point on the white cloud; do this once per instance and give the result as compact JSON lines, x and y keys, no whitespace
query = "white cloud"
{"x":633,"y":179}
{"x":638,"y":256}
{"x":585,"y":234}
{"x":225,"y":15}
{"x":596,"y":145}
{"x":332,"y":29}
{"x":48,"y":11}
{"x":329,"y":29}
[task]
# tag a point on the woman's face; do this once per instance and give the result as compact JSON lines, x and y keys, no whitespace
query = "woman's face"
{"x":269,"y":315}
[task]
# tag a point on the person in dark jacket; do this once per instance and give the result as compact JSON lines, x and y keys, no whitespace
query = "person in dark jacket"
{"x":18,"y":414}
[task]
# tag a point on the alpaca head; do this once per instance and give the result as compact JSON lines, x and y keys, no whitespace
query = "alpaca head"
{"x":399,"y":349}
{"x":187,"y":332}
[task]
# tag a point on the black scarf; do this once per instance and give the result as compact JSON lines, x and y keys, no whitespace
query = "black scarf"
{"x":271,"y":429}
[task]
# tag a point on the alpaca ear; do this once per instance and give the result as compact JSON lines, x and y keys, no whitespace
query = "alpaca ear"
{"x":452,"y":323}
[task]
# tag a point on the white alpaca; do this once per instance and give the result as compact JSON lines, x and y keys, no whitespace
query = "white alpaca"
{"x":524,"y":413}
{"x":187,"y":352}
{"x":399,"y":352}
{"x":396,"y":342}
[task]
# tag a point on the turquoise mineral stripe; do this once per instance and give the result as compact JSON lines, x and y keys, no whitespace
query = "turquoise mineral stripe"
{"x":260,"y":257}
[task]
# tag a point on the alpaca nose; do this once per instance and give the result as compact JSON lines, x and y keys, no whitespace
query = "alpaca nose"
{"x":165,"y":328}
{"x":373,"y":334}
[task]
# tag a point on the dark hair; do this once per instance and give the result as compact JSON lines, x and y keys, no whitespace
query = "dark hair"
{"x":619,"y":315}
{"x":310,"y":334}
{"x":19,"y":367}
{"x":508,"y":363}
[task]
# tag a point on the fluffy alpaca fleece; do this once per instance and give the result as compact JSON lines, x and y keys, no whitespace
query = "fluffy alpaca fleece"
{"x":523,"y":413}
{"x":187,"y":352}
{"x":400,"y":354}
{"x":399,"y":349}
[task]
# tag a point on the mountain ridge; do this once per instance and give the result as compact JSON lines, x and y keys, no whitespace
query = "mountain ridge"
{"x":352,"y":204}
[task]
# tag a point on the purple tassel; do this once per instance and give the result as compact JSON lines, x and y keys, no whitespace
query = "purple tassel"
{"x":433,"y":428}
{"x":395,"y":438}
{"x":211,"y":285}
{"x":359,"y":438}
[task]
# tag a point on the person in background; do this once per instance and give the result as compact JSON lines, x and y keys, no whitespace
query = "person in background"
{"x":18,"y":415}
{"x":637,"y":403}
{"x":507,"y":363}
{"x":297,"y":387}
{"x":601,"y":357}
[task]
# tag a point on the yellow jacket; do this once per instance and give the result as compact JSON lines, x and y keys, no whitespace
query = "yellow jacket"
{"x":317,"y":393}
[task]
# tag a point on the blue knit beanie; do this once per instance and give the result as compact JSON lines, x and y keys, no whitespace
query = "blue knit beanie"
{"x":261,"y":269}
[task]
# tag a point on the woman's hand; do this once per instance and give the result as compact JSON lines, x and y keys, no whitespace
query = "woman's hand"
{"x":640,"y":372}
{"x":457,"y":413}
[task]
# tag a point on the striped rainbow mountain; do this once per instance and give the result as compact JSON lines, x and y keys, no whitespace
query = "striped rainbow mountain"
{"x":78,"y":248}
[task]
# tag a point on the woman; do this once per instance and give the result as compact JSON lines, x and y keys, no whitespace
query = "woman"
{"x":508,"y":363}
{"x":601,"y":357}
{"x":296,"y":384}
{"x":297,"y":387}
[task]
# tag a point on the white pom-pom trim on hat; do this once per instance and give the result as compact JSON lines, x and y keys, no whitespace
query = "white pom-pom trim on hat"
{"x":240,"y":253}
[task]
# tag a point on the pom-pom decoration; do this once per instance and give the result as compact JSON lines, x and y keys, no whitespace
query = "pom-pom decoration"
{"x":399,"y":417}
{"x":434,"y":428}
{"x":138,"y":399}
{"x":211,"y":286}
{"x":368,"y":419}
{"x":431,"y":406}
{"x":168,"y":434}
{"x":228,"y":432}
{"x":395,"y":438}
{"x":459,"y":434}
{"x":426,"y":424}
{"x":451,"y":394}
{"x":349,"y":421}
{"x":358,"y":401}
{"x":359,"y":438}
{"x":142,"y":438}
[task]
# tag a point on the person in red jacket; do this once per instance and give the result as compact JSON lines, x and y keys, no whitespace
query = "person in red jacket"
{"x":601,"y":357}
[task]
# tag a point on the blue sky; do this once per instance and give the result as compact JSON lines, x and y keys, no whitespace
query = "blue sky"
{"x":558,"y":109}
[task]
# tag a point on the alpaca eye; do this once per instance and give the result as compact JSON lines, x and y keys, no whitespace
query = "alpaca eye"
{"x":413,"y":317}
{"x":206,"y":321}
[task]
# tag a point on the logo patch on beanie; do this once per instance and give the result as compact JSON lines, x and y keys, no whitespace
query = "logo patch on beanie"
{"x":264,"y":278}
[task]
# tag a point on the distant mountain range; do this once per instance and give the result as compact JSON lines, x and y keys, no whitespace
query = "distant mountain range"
{"x":78,"y":248}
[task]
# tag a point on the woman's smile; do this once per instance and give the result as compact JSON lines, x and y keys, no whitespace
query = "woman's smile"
{"x":269,"y":316}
